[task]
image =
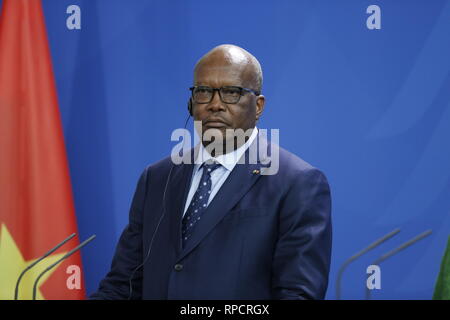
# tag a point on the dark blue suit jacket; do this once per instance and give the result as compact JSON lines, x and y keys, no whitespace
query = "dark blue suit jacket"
{"x":261,"y":237}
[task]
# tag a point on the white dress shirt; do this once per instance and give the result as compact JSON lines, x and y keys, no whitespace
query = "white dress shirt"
{"x":228,"y":161}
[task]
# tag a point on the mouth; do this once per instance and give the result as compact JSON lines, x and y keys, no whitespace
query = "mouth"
{"x":214,"y":123}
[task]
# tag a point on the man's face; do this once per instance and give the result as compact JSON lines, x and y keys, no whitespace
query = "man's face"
{"x":217,"y":115}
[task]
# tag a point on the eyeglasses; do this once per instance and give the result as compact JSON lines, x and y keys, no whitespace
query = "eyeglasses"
{"x":228,"y":94}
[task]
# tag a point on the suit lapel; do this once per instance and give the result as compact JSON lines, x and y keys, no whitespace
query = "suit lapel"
{"x":234,"y":188}
{"x":177,"y":191}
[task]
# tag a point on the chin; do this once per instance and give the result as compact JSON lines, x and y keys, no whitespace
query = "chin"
{"x":217,"y":133}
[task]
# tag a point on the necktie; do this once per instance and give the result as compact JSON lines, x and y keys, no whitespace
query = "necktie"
{"x":199,"y":202}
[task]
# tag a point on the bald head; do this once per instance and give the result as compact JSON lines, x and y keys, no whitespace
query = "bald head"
{"x":237,"y":58}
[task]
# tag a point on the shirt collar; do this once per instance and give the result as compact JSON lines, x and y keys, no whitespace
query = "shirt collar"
{"x":228,"y":160}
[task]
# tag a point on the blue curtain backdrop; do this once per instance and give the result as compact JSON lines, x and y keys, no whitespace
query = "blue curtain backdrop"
{"x":371,"y":108}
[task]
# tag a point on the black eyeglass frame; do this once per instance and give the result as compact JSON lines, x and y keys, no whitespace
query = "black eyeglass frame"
{"x":241,"y":90}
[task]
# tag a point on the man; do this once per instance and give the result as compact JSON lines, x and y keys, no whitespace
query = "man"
{"x":218,"y":228}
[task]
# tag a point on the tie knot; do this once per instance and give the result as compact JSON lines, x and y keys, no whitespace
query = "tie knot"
{"x":210,"y":167}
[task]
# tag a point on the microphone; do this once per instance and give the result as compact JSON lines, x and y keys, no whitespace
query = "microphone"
{"x":16,"y":291}
{"x":68,"y":254}
{"x":397,"y":250}
{"x":359,"y":254}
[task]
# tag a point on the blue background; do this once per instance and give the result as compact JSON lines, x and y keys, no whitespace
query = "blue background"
{"x":371,"y":108}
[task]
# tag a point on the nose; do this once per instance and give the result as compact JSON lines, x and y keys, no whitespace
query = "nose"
{"x":216,"y":104}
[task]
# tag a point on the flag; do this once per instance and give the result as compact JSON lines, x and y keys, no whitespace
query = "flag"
{"x":36,"y":204}
{"x":442,"y":288}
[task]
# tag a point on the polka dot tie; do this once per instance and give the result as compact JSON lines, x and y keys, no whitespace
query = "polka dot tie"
{"x":199,"y":202}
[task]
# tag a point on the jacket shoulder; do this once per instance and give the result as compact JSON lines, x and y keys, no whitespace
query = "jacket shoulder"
{"x":294,"y":169}
{"x":293,"y":163}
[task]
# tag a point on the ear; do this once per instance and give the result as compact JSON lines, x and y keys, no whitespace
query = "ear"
{"x":260,"y":101}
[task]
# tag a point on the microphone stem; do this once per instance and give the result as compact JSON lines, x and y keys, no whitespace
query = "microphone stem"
{"x":16,"y":291}
{"x":68,"y":254}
